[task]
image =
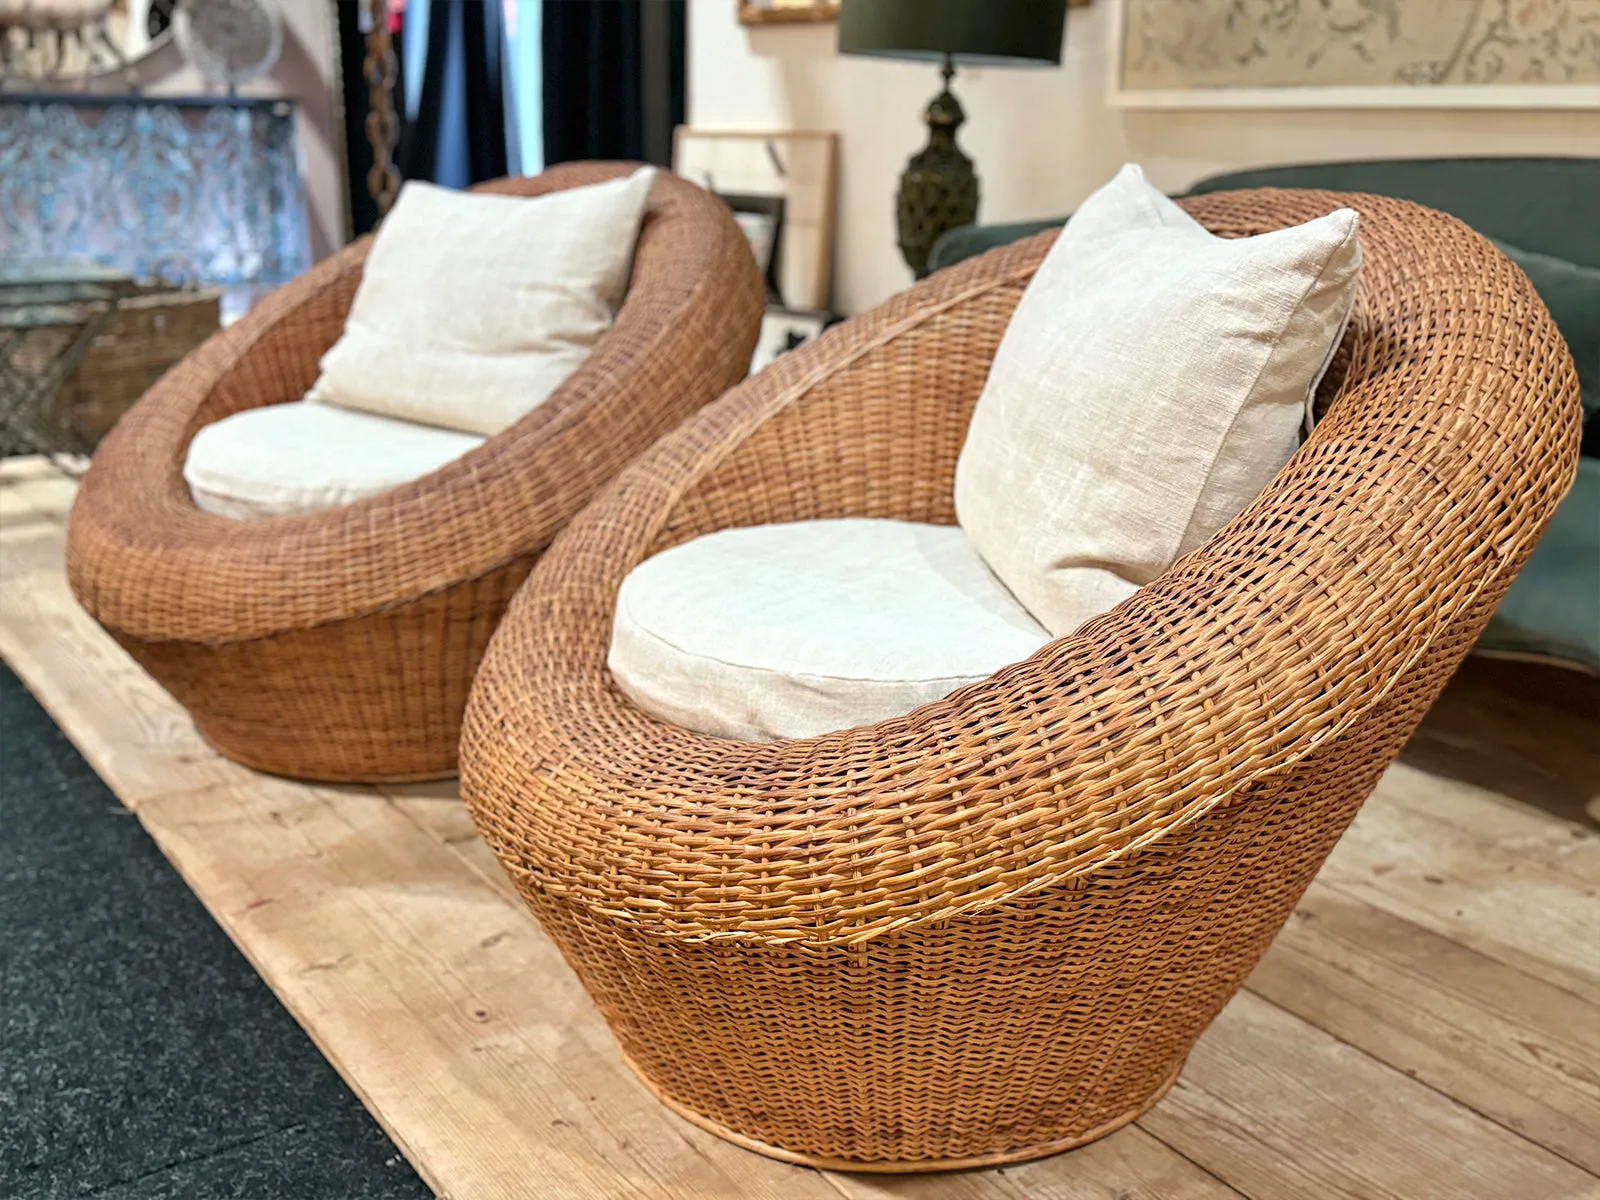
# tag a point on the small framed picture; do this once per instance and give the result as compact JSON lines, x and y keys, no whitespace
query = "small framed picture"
{"x":751,"y":170}
{"x":785,"y":12}
{"x":783,"y":329}
{"x":761,"y":219}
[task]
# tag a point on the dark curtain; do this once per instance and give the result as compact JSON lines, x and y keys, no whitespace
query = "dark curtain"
{"x":613,"y":79}
{"x":459,"y":135}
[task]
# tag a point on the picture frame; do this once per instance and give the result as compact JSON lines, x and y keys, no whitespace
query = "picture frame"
{"x":803,"y":12}
{"x":1540,"y":96}
{"x":761,"y":220}
{"x":786,"y":329}
{"x":787,"y":12}
{"x":798,"y":166}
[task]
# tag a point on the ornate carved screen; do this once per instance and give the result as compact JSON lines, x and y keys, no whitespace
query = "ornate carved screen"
{"x":181,"y":191}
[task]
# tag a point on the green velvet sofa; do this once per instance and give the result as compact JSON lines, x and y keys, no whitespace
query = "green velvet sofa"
{"x":1545,"y":214}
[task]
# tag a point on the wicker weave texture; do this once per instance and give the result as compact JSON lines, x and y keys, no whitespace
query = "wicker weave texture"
{"x":340,"y":645}
{"x":994,"y":927}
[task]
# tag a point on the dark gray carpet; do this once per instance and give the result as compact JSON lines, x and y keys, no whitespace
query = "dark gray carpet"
{"x":141,"y":1057}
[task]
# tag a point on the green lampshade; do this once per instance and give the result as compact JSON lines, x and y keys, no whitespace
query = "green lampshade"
{"x":997,"y":33}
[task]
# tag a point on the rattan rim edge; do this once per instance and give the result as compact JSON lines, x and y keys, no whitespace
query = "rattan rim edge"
{"x":920,"y":1167}
{"x":389,"y":608}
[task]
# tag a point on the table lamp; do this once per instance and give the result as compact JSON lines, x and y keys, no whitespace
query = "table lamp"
{"x":939,"y":190}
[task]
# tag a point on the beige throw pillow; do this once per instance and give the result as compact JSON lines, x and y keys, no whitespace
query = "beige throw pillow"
{"x":1152,"y":381}
{"x":474,"y":308}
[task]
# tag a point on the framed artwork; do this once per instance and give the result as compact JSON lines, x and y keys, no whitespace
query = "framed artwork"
{"x":781,"y":188}
{"x":1355,"y":54}
{"x":784,"y":329}
{"x":786,"y":12}
{"x":790,"y":12}
{"x":761,"y":220}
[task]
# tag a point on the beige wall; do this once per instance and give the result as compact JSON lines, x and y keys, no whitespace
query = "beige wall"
{"x":1042,"y":139}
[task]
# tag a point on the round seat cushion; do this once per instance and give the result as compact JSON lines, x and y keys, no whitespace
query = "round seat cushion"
{"x":780,"y":631}
{"x":287,"y":459}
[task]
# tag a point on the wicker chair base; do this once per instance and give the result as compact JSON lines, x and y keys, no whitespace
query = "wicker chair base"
{"x":243,"y":753}
{"x":331,"y":739}
{"x":1020,"y":1154}
{"x":375,"y":699}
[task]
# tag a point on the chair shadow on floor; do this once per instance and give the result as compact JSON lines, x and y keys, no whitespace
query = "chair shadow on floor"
{"x":1528,"y":730}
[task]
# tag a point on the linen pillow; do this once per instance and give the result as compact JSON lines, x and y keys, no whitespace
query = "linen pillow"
{"x":473,"y":308}
{"x":1151,"y":382}
{"x":791,"y":630}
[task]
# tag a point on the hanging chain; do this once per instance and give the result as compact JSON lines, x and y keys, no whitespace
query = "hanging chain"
{"x":383,"y":127}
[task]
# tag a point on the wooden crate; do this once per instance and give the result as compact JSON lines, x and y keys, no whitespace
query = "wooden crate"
{"x":148,"y":335}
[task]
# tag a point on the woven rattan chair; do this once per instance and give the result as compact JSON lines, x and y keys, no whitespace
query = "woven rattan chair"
{"x":340,"y":645}
{"x":992,"y":929}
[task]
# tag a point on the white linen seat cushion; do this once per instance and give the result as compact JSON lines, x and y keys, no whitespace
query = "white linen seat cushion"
{"x":781,"y":631}
{"x":288,"y":459}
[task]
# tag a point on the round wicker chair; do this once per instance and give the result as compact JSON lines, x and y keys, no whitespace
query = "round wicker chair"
{"x":340,"y":645}
{"x":993,"y":928}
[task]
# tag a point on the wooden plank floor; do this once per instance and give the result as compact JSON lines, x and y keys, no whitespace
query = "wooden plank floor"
{"x":1425,"y":1026}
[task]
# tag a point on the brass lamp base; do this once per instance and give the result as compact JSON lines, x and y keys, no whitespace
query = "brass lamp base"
{"x":939,"y":189}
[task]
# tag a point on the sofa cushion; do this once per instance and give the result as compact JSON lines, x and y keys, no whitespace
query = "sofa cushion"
{"x":776,"y":631}
{"x":1545,"y":204}
{"x":1572,"y":294}
{"x":968,"y":241}
{"x":295,"y":458}
{"x":1553,"y":608}
{"x":474,"y":308}
{"x":1152,"y":380}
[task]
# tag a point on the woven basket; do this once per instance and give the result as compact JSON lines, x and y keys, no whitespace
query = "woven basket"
{"x":993,"y":928}
{"x":149,"y":335}
{"x":340,"y":645}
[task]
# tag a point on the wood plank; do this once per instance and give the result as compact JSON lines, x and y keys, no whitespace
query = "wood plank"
{"x":131,"y":731}
{"x":48,"y":496}
{"x":15,"y":508}
{"x":1276,"y":1108}
{"x":436,"y":807}
{"x":443,"y":1005}
{"x":1530,"y":731}
{"x":1511,"y":883}
{"x":28,"y":466}
{"x":1505,"y":1044}
{"x":1128,"y":1165}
